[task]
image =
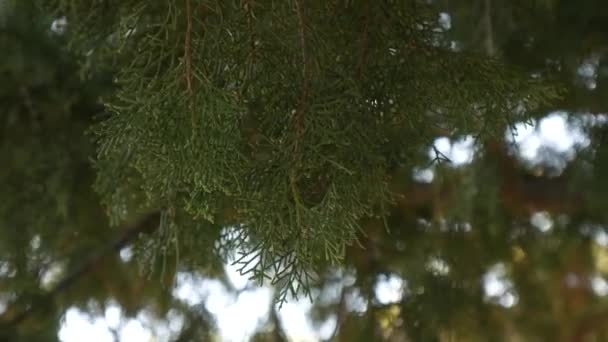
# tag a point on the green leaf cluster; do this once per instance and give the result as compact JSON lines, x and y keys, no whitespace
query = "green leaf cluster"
{"x":288,"y":116}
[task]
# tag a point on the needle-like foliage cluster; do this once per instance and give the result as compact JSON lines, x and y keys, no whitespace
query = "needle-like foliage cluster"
{"x":282,"y":119}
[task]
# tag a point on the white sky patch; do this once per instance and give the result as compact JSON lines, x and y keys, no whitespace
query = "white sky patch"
{"x":558,"y":134}
{"x":493,"y":284}
{"x":587,"y":71}
{"x":237,"y":321}
{"x":348,"y":277}
{"x":442,"y":145}
{"x":438,"y":266}
{"x":389,"y":289}
{"x":425,"y":175}
{"x":331,"y":294}
{"x":6,"y":298}
{"x":78,"y":324}
{"x":4,"y":268}
{"x":59,"y":25}
{"x":542,"y":221}
{"x":237,"y":280}
{"x":498,"y":288}
{"x":355,"y":302}
{"x":113,"y":316}
{"x":599,"y":285}
{"x":460,"y":152}
{"x":159,"y":329}
{"x":326,"y":329}
{"x":35,"y":242}
{"x":51,"y":275}
{"x":133,"y":330}
{"x":333,"y":291}
{"x":524,"y":135}
{"x":553,"y":132}
{"x":464,"y":227}
{"x":126,"y":254}
{"x":592,"y":119}
{"x":250,"y":308}
{"x":217,"y":299}
{"x":237,"y":318}
{"x":589,"y":67}
{"x":507,"y":300}
{"x":176,"y":321}
{"x":445,"y":21}
{"x":145,"y":327}
{"x":294,"y":318}
{"x":189,"y":289}
{"x":455,"y":46}
{"x":601,"y":237}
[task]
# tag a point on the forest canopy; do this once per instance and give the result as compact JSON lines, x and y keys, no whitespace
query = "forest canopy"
{"x":310,"y":145}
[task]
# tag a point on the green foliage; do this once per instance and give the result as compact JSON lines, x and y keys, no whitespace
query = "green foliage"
{"x":44,"y":164}
{"x":286,"y":132}
{"x":284,"y":116}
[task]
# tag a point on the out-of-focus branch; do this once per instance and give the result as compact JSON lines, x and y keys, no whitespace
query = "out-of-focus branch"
{"x":146,"y":225}
{"x":341,"y":313}
{"x":589,"y":325}
{"x":523,"y":193}
{"x":488,"y":29}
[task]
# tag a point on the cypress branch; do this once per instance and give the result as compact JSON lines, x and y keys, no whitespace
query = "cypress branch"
{"x":313,"y":173}
{"x":188,"y":47}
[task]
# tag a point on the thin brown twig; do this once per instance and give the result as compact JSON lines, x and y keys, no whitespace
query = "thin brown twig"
{"x":590,"y":325}
{"x":249,"y":9}
{"x":342,"y":312}
{"x":188,"y":58}
{"x":298,"y":120}
{"x":188,"y":47}
{"x":364,"y":45}
{"x":305,"y":88}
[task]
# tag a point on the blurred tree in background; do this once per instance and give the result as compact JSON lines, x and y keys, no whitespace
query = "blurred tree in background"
{"x":309,"y":143}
